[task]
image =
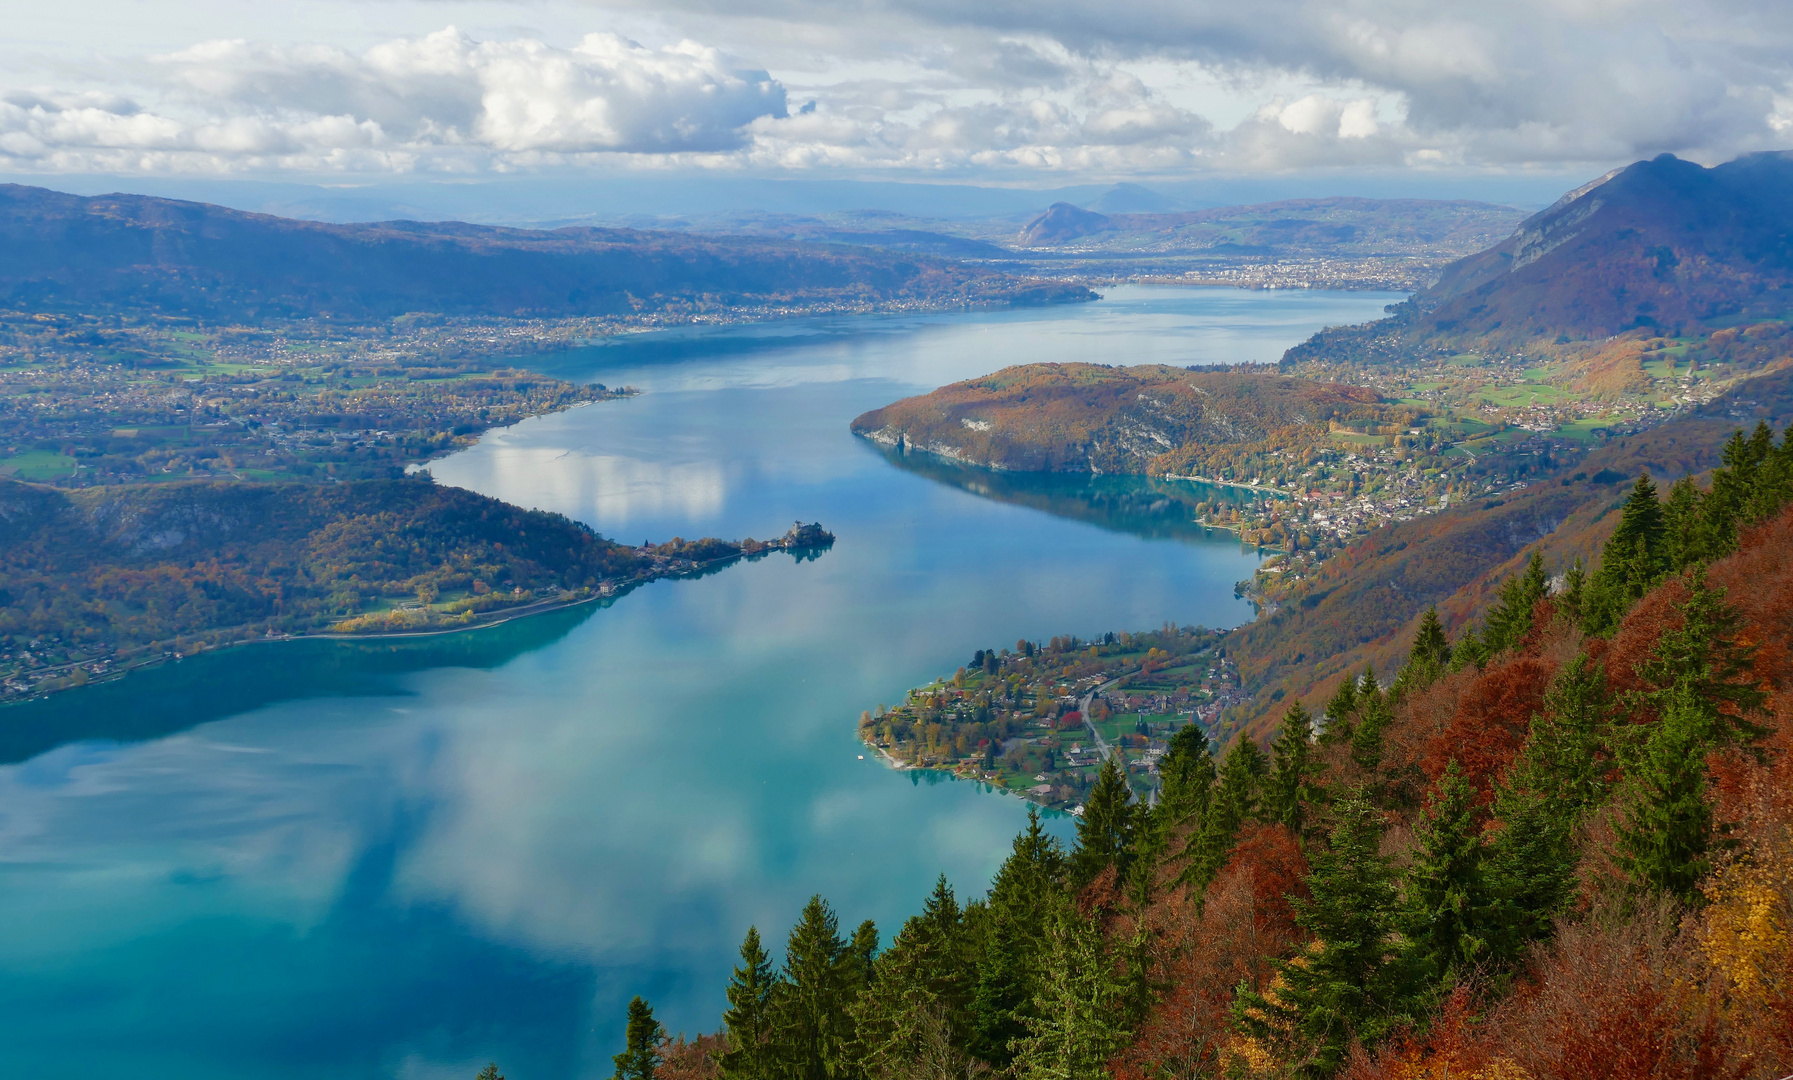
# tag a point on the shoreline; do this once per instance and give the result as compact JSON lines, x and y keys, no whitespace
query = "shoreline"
{"x":497,"y":618}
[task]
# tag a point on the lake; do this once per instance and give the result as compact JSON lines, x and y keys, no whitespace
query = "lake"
{"x":407,"y":858}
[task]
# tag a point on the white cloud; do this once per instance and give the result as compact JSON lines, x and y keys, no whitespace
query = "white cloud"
{"x":442,"y":100}
{"x":998,"y":88}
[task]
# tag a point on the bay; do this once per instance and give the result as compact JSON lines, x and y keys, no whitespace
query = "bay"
{"x":404,"y":859}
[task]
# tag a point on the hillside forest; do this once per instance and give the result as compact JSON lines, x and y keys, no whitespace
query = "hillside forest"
{"x":1559,"y":846}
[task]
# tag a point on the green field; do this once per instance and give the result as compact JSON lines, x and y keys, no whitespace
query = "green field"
{"x":38,"y":465}
{"x":1523,"y":394}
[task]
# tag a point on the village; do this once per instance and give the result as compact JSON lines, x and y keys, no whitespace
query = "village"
{"x":1038,"y":720}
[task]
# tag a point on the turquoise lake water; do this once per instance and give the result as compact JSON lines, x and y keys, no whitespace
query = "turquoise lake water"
{"x":404,"y":859}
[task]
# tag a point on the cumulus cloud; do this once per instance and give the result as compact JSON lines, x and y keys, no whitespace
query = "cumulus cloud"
{"x":443,"y":100}
{"x":996,"y":87}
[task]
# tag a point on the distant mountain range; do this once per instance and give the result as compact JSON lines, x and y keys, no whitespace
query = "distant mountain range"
{"x":1340,"y":226}
{"x":117,"y":253}
{"x":1661,"y":244}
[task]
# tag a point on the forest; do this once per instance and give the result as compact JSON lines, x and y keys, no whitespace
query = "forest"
{"x":1558,"y":846}
{"x":95,"y":577}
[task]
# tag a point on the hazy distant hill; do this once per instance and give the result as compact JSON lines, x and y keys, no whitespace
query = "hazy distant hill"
{"x":1093,"y":418}
{"x":129,"y":252}
{"x":1660,"y":244}
{"x":1341,"y":226}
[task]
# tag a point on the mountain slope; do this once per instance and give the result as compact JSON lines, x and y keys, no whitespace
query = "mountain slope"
{"x":141,"y":254}
{"x":1662,"y":244}
{"x":1092,"y":418}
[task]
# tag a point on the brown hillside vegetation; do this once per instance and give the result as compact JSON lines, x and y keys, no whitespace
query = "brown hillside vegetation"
{"x":1364,"y":606}
{"x":1092,"y":418}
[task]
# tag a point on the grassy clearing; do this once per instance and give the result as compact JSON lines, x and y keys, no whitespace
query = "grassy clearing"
{"x":38,"y":465}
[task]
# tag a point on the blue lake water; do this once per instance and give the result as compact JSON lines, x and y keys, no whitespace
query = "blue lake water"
{"x":403,"y":859}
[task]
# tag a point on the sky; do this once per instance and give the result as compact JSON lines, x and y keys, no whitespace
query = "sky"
{"x":1029,"y":93}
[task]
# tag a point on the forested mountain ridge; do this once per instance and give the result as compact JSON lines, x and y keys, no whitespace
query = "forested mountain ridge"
{"x":1093,"y":418}
{"x":1338,"y":227}
{"x":140,"y":255}
{"x":92,"y":576}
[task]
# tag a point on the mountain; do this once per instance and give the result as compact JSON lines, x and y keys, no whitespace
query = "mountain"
{"x":1354,"y":226}
{"x":1663,"y":244}
{"x":135,"y":253}
{"x":1093,"y":418}
{"x":1062,"y":222}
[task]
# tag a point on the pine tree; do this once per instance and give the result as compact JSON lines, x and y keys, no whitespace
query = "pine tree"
{"x":749,"y":1018}
{"x":1077,"y":1021}
{"x":1530,"y":869}
{"x":1186,"y":777}
{"x":813,"y":1027}
{"x":1706,"y":654}
{"x":1356,"y":981}
{"x":920,"y":992}
{"x":1665,"y":829}
{"x":1023,"y":898}
{"x":1683,"y":524}
{"x":1290,"y":786}
{"x":1511,"y":618}
{"x":1571,"y":603}
{"x":1567,"y":756}
{"x":641,"y":1053}
{"x":1447,"y":902}
{"x":1367,"y":741}
{"x":1105,"y":831}
{"x":490,"y":1072}
{"x":1235,"y":802}
{"x":1631,"y":562}
{"x":1429,"y":658}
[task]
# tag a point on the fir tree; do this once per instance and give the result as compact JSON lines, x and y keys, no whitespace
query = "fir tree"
{"x":1683,"y":524}
{"x":1105,"y":831}
{"x":1235,"y":802}
{"x":641,"y":1053}
{"x":1530,"y":868}
{"x":1186,"y":777}
{"x":813,"y":1028}
{"x":1573,"y":599}
{"x":1429,"y":658}
{"x":1367,"y":741}
{"x":1022,"y":901}
{"x":1511,"y":618}
{"x":749,"y":1018}
{"x":920,"y":992}
{"x":1447,"y":906}
{"x":1355,"y":981}
{"x":490,"y":1072}
{"x":1630,"y":563}
{"x":1077,"y":1023}
{"x":1290,"y":787}
{"x":1665,"y":828}
{"x":1707,"y":655}
{"x":1567,"y":754}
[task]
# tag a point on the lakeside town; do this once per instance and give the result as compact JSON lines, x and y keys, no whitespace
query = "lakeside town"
{"x":1037,"y":720}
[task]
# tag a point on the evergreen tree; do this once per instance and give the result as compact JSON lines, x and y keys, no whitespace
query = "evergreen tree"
{"x":1429,"y":658}
{"x":1023,"y":899}
{"x":1355,"y":981}
{"x":1077,"y":1022}
{"x":813,"y":1028}
{"x":1573,"y":600}
{"x":749,"y":1017}
{"x":641,"y":1053}
{"x":490,"y":1072}
{"x":1530,"y":868}
{"x":920,"y":992}
{"x":1469,"y":650}
{"x":1290,"y":785}
{"x":1665,"y":829}
{"x":1105,"y":831}
{"x":1342,"y":711}
{"x":1567,"y":756}
{"x":1235,"y":802}
{"x":1511,"y":618}
{"x":1367,"y":741}
{"x":1706,"y":654}
{"x":1633,"y":559}
{"x":1683,"y":524}
{"x":1186,"y":777}
{"x":1448,"y":904}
